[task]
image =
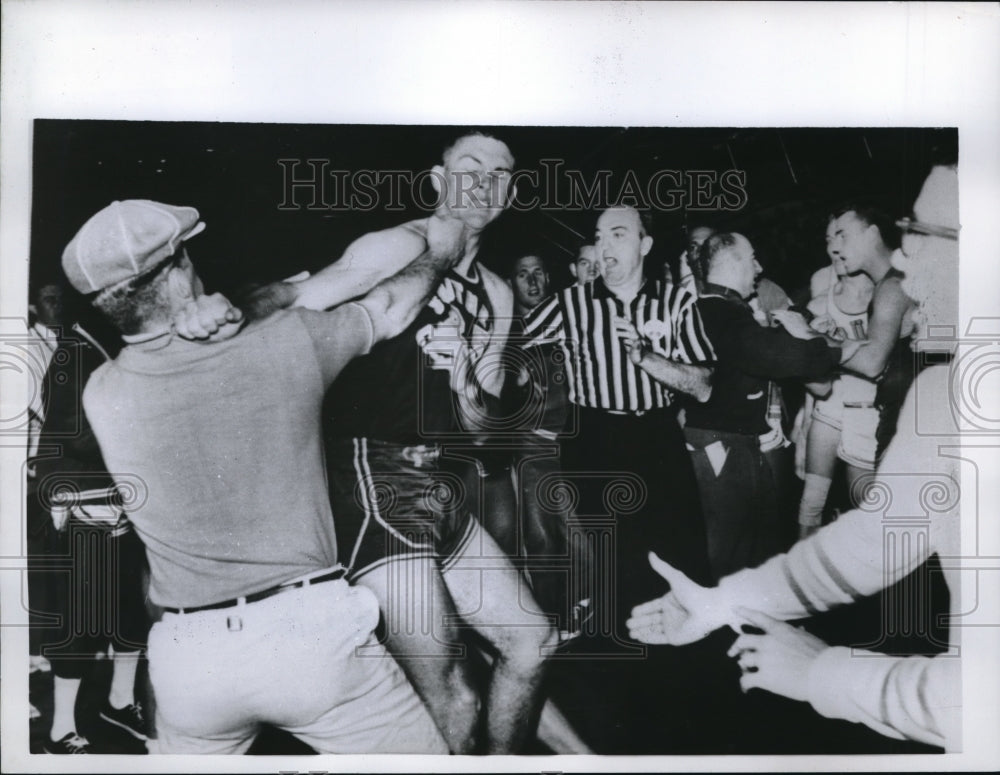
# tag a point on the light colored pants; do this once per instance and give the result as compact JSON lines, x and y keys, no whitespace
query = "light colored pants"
{"x":291,"y":660}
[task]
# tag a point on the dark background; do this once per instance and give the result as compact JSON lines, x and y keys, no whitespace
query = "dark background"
{"x":230,"y":172}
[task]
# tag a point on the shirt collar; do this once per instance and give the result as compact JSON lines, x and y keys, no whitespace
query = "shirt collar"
{"x":711,"y":289}
{"x":601,"y":291}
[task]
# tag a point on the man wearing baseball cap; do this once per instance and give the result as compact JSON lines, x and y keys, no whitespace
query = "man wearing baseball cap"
{"x":259,"y":625}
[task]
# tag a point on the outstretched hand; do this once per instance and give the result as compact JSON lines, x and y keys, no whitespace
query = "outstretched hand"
{"x":778,"y":659}
{"x":208,"y":318}
{"x":687,"y":613}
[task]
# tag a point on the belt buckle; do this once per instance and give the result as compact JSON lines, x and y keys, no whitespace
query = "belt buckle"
{"x":234,"y":623}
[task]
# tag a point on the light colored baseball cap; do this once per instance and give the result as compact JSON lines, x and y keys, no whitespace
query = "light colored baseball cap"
{"x":124,"y":240}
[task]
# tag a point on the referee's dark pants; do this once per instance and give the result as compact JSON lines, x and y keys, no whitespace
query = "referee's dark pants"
{"x":634,"y":479}
{"x":636,"y":471}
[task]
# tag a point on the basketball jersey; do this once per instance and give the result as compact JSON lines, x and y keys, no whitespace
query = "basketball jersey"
{"x":400,"y":392}
{"x":851,"y":326}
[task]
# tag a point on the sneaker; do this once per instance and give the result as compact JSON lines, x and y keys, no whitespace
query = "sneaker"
{"x":71,"y":743}
{"x":129,"y":718}
{"x":39,"y":664}
{"x":33,"y":712}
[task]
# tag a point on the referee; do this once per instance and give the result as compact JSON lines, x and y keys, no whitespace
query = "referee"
{"x":629,"y":345}
{"x":624,"y":401}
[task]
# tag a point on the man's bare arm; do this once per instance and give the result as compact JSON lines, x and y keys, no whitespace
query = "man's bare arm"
{"x":395,"y":302}
{"x":368,"y":260}
{"x":693,"y":380}
{"x":888,"y":308}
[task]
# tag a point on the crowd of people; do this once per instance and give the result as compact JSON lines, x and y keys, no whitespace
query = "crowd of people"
{"x":401,"y":504}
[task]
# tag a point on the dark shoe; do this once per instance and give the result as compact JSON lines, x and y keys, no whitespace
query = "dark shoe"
{"x":129,"y":718}
{"x":71,"y":743}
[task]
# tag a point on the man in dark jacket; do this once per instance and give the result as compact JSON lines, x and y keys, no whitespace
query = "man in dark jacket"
{"x":734,"y":479}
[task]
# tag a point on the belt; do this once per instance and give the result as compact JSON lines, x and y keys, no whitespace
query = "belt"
{"x":859,"y":405}
{"x":257,"y":596}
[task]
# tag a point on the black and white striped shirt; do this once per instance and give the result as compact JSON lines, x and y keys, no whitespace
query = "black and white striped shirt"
{"x":600,"y":375}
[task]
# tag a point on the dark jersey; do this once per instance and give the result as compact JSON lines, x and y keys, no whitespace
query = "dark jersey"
{"x":400,"y":392}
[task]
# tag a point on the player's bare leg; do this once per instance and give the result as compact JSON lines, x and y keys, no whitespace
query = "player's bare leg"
{"x":422,"y":636}
{"x":492,"y":597}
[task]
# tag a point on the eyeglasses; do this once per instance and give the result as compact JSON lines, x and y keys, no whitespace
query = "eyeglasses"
{"x":913,"y":226}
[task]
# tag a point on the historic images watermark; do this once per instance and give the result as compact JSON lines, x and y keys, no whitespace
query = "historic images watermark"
{"x":312,"y":184}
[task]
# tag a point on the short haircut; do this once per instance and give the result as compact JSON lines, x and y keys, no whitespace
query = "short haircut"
{"x":693,"y":226}
{"x":712,"y":247}
{"x":524,"y":254}
{"x":645,"y":217}
{"x":36,"y":290}
{"x":578,"y":247}
{"x":871,"y":215}
{"x":450,"y":148}
{"x":130,"y":303}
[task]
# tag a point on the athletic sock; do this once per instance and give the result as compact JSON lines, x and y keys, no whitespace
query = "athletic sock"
{"x":122,"y":693}
{"x":64,"y":693}
{"x":814,"y":494}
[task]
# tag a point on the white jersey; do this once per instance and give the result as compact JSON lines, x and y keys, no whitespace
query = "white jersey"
{"x":850,"y":325}
{"x":849,"y":388}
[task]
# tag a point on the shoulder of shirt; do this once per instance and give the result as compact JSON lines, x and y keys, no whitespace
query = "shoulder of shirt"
{"x":97,"y":382}
{"x":584,"y":291}
{"x":678,"y":294}
{"x":713,"y":305}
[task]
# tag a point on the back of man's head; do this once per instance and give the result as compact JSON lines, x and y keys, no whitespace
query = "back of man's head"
{"x":716,"y":252}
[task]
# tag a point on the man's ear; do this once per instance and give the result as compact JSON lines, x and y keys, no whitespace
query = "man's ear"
{"x":511,"y":194}
{"x":572,"y":270}
{"x":645,"y":246}
{"x":179,"y":283}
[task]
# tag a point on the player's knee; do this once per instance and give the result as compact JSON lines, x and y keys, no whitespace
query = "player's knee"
{"x":529,"y":646}
{"x":462,"y":714}
{"x":463,"y":698}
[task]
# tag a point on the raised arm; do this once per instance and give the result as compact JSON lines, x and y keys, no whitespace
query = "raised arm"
{"x":394,"y":303}
{"x":368,"y":260}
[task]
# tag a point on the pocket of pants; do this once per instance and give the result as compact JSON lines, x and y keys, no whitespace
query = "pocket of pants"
{"x":717,"y":454}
